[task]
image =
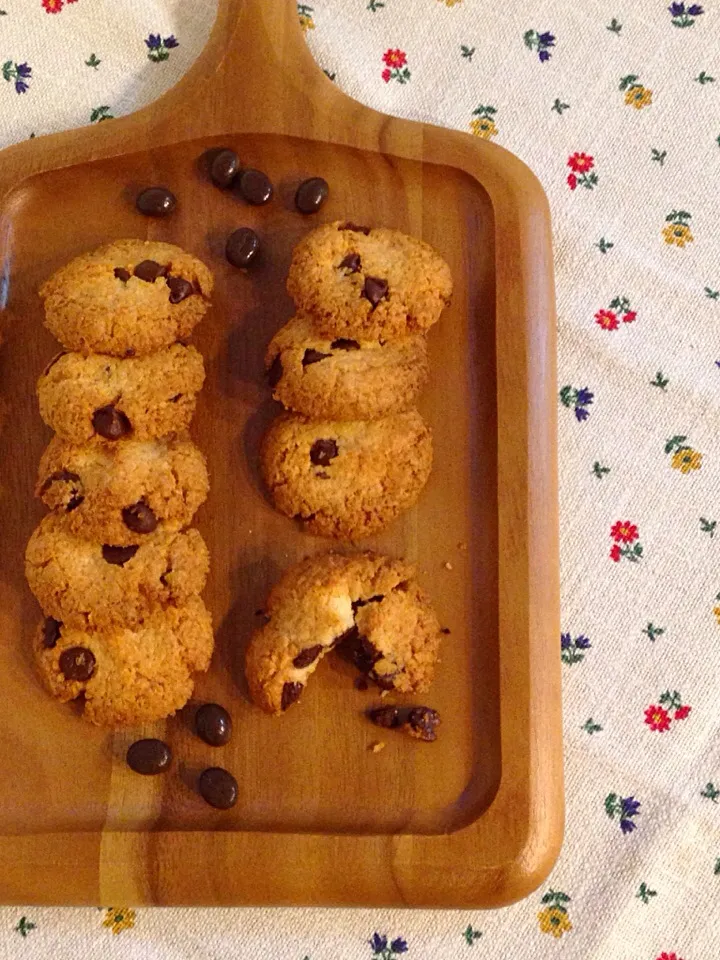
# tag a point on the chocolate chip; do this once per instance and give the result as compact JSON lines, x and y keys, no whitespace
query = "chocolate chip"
{"x":111,"y":423}
{"x":74,"y":503}
{"x":356,"y":648}
{"x":386,"y":681}
{"x":149,"y":271}
{"x":60,"y":476}
{"x":343,"y":344}
{"x":313,"y":356}
{"x":122,"y":274}
{"x":180,"y":288}
{"x":77,"y":663}
{"x":213,"y":724}
{"x":322,"y":452}
{"x":374,"y":289}
{"x":356,"y":604}
{"x":445,"y":630}
{"x":387,"y":717}
{"x":255,"y":187}
{"x":178,"y":396}
{"x":275,"y":372}
{"x":307,"y":656}
{"x":118,"y":556}
{"x":242,"y":247}
{"x":139,"y":518}
{"x":423,"y":723}
{"x":149,"y":757}
{"x":350,"y":262}
{"x":290,"y":694}
{"x":218,"y":788}
{"x":311,"y":194}
{"x":156,"y":202}
{"x":130,"y":352}
{"x":354,"y":227}
{"x":51,"y":632}
{"x":224,"y":168}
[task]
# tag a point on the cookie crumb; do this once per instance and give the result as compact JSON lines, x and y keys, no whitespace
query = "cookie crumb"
{"x":384,"y":693}
{"x":462,"y":546}
{"x":448,"y":565}
{"x":377,"y":746}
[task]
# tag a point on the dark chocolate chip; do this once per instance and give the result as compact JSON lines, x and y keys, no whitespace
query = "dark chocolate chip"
{"x":242,"y":247}
{"x":51,"y":632}
{"x":255,"y":187}
{"x":311,"y":194}
{"x":388,"y":717}
{"x":423,"y":723}
{"x":224,"y":168}
{"x":77,"y":663}
{"x":275,"y":372}
{"x":350,"y":262}
{"x":374,"y":289}
{"x":178,"y":396}
{"x":322,"y":452}
{"x":445,"y":630}
{"x":354,"y":227}
{"x":130,"y":352}
{"x":149,"y":271}
{"x":356,"y":648}
{"x":149,"y":757}
{"x":139,"y":518}
{"x":180,"y":289}
{"x":290,"y":694}
{"x":218,"y":788}
{"x":118,"y":556}
{"x":111,"y":423}
{"x":307,"y":656}
{"x":122,"y":274}
{"x":156,"y":202}
{"x":344,"y":344}
{"x":213,"y":724}
{"x":356,"y":604}
{"x":74,"y":503}
{"x":313,"y":356}
{"x":60,"y":476}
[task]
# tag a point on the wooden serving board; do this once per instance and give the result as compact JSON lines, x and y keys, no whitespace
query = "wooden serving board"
{"x":472,"y":820}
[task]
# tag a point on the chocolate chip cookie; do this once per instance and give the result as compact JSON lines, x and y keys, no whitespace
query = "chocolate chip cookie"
{"x":346,"y":479}
{"x":120,"y":493}
{"x":127,"y":676}
{"x":368,"y":606}
{"x":368,"y":284}
{"x":96,"y":585}
{"x":143,"y":397}
{"x":127,"y":298}
{"x":344,"y":379}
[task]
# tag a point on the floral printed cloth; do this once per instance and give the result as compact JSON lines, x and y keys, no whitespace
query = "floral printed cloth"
{"x":616,"y":106}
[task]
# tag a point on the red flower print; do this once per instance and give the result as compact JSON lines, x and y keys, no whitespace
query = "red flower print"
{"x":572,"y":181}
{"x":394,"y":58}
{"x":624,"y":532}
{"x":629,"y":316}
{"x":615,"y":553}
{"x":53,"y":6}
{"x":606,"y":319}
{"x":668,"y":956}
{"x":580,"y":162}
{"x":386,"y":76}
{"x":657,"y":718}
{"x":682,"y":712}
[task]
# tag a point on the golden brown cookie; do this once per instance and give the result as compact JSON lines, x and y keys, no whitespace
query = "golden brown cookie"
{"x":127,"y":298}
{"x":346,"y":479}
{"x":368,"y":284}
{"x":127,"y":676}
{"x":344,"y":379}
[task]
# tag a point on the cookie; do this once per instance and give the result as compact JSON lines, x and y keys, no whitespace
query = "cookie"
{"x":127,"y":298}
{"x":346,"y":479}
{"x":127,"y":676}
{"x":144,"y":397}
{"x":368,"y":284}
{"x":368,"y":606}
{"x":120,"y":493}
{"x":95,"y":585}
{"x":344,"y":379}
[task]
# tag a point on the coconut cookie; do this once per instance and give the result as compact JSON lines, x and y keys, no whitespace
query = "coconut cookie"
{"x":344,"y":379}
{"x":143,"y":397}
{"x":346,"y":479}
{"x":368,"y":606}
{"x":127,"y":298}
{"x":127,"y":676}
{"x":368,"y":284}
{"x":96,"y":585}
{"x":118,"y":494}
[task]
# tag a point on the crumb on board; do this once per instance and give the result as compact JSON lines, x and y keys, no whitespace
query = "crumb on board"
{"x":377,"y":746}
{"x":462,"y":546}
{"x":384,"y":693}
{"x":448,"y":565}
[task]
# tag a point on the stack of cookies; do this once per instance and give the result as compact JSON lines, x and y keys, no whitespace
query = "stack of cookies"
{"x":352,"y":452}
{"x":116,"y":572}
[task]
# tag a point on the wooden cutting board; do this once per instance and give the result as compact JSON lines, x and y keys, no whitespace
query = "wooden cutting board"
{"x":474,"y":819}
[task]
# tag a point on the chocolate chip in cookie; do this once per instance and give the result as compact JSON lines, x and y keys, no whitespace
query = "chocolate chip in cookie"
{"x":375,"y":289}
{"x":51,"y":632}
{"x":118,"y":556}
{"x":77,"y":663}
{"x":111,"y":423}
{"x":313,"y":356}
{"x":139,"y":518}
{"x":323,"y":451}
{"x":290,"y":695}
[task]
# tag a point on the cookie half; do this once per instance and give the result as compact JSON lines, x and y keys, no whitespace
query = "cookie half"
{"x":143,"y":397}
{"x":344,"y":379}
{"x":121,"y":493}
{"x":127,"y":676}
{"x":86,"y":584}
{"x":127,"y":298}
{"x":346,"y":479}
{"x":368,"y":284}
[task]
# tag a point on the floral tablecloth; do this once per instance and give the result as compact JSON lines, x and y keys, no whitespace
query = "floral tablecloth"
{"x":615,"y":104}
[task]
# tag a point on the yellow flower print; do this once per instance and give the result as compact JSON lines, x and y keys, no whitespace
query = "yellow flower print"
{"x":686,"y":460}
{"x":451,"y":3}
{"x":305,"y":16}
{"x":119,"y":919}
{"x":554,"y":920}
{"x":638,"y":97}
{"x":716,"y":611}
{"x":483,"y":127}
{"x":677,"y":234}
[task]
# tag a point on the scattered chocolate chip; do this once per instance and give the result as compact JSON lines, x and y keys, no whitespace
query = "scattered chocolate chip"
{"x":122,"y":274}
{"x":354,"y":227}
{"x":149,"y":757}
{"x":344,"y":344}
{"x":156,"y":202}
{"x":445,"y":630}
{"x":224,"y":168}
{"x":307,"y":656}
{"x":422,"y":723}
{"x":118,"y":556}
{"x":242,"y":247}
{"x":111,"y":423}
{"x":322,"y":452}
{"x":275,"y":372}
{"x":255,"y":187}
{"x":311,"y":194}
{"x":77,"y":663}
{"x":387,"y":717}
{"x":350,"y":262}
{"x":218,"y":788}
{"x":313,"y":356}
{"x":149,"y":271}
{"x":139,"y":518}
{"x":213,"y":724}
{"x":356,"y":604}
{"x":374,"y":289}
{"x":290,"y":694}
{"x":51,"y":632}
{"x":180,"y":288}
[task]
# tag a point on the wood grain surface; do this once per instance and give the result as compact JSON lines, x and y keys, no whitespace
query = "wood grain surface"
{"x":474,"y":819}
